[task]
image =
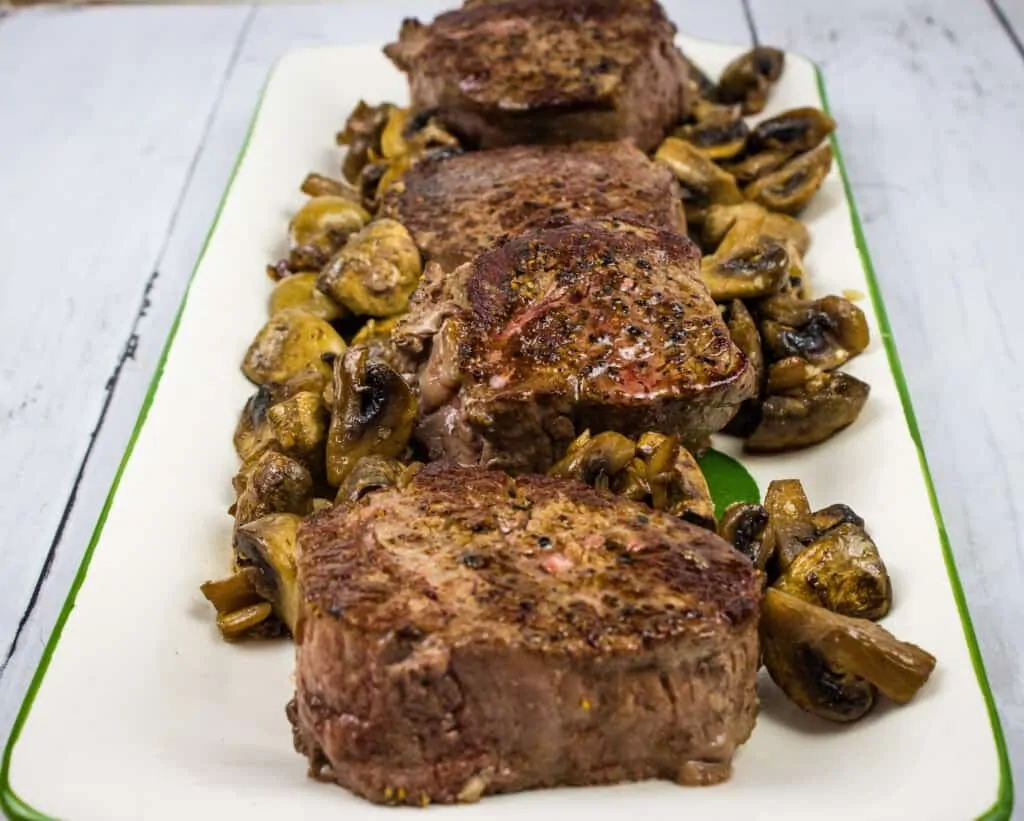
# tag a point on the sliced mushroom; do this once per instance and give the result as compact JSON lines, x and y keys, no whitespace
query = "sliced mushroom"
{"x":376,"y":272}
{"x":267,"y":545}
{"x":743,"y":525}
{"x":789,"y":528}
{"x":789,"y":374}
{"x":369,"y":474}
{"x":291,"y":341}
{"x":748,"y":78}
{"x":793,"y":132}
{"x":300,"y":291}
{"x":275,"y":483}
{"x":719,"y":132}
{"x":822,"y":407}
{"x":756,"y":268}
{"x":703,"y":183}
{"x":595,"y":459}
{"x":792,"y":186}
{"x":842,"y":572}
{"x":362,"y":135}
{"x":720,"y":219}
{"x":826,"y":332}
{"x":675,"y":480}
{"x":750,"y":167}
{"x":830,"y":665}
{"x":299,"y":426}
{"x":321,"y":227}
{"x":253,"y":435}
{"x":373,"y":414}
{"x":369,"y":183}
{"x":232,"y":593}
{"x":745,"y":335}
{"x":631,"y":482}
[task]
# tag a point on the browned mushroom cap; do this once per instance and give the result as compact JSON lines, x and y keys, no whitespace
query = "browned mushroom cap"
{"x":789,"y":528}
{"x":267,"y":544}
{"x":291,"y":341}
{"x":702,"y":182}
{"x":792,"y":186}
{"x":319,"y":185}
{"x":373,"y":413}
{"x":822,"y":407}
{"x":320,"y":228}
{"x":252,"y":433}
{"x":719,"y":132}
{"x":275,"y":483}
{"x":833,"y":516}
{"x":841,"y":571}
{"x":748,"y":78}
{"x":793,"y":132}
{"x":300,"y":291}
{"x":595,"y":459}
{"x":743,"y":525}
{"x":830,"y":665}
{"x":299,"y":427}
{"x":826,"y":332}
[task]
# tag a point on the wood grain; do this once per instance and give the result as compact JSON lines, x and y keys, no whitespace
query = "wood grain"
{"x":112,"y":178}
{"x":909,"y":84}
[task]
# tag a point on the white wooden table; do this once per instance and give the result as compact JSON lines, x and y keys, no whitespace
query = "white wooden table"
{"x":118,"y":130}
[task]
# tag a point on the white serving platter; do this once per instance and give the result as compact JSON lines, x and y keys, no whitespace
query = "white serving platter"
{"x":140,"y":711}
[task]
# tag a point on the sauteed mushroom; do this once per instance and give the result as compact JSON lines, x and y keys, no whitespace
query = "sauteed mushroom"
{"x":749,"y":167}
{"x":830,"y":665}
{"x":253,"y":435}
{"x":748,"y":78}
{"x":362,"y":135}
{"x":675,"y":480}
{"x":826,"y":332}
{"x":743,"y":526}
{"x":746,"y":269}
{"x":376,"y":272}
{"x":842,"y":572}
{"x":275,"y":483}
{"x":321,"y":227}
{"x":721,"y":219}
{"x":719,"y":131}
{"x":833,"y":516}
{"x":239,"y":607}
{"x":789,"y":374}
{"x":791,"y":187}
{"x":267,"y":545}
{"x":745,"y":335}
{"x":703,"y":183}
{"x":594,"y":459}
{"x":300,"y":291}
{"x":374,"y":473}
{"x":792,"y":132}
{"x":299,"y":427}
{"x":290,"y":341}
{"x":820,"y":408}
{"x":319,"y":185}
{"x":789,"y":528}
{"x":373,"y":413}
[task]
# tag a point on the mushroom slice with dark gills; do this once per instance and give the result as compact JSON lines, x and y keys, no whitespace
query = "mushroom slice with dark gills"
{"x":373,"y":473}
{"x":782,"y":228}
{"x":792,"y":132}
{"x":320,"y":228}
{"x":747,"y":265}
{"x":744,"y":333}
{"x":373,"y":413}
{"x":595,"y":459}
{"x":718,"y":132}
{"x":825,"y":332}
{"x":832,"y":665}
{"x":743,"y":526}
{"x":792,"y":186}
{"x":812,"y":413}
{"x":748,"y":79}
{"x":600,"y":325}
{"x":750,"y":167}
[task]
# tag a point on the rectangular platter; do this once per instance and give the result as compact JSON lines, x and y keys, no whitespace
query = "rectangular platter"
{"x":139,"y":710}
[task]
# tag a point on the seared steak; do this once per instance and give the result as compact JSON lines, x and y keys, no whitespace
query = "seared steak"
{"x":457,"y":207}
{"x":477,"y":634}
{"x":603,"y":325}
{"x":547,"y":71}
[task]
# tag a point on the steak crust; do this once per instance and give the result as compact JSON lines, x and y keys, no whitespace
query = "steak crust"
{"x":603,"y":325}
{"x":547,"y":71}
{"x":477,"y":634}
{"x":457,"y":207}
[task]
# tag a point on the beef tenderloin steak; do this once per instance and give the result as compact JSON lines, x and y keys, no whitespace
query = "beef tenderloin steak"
{"x":547,"y":71}
{"x":457,"y":207}
{"x":600,"y":325}
{"x":476,"y":634}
